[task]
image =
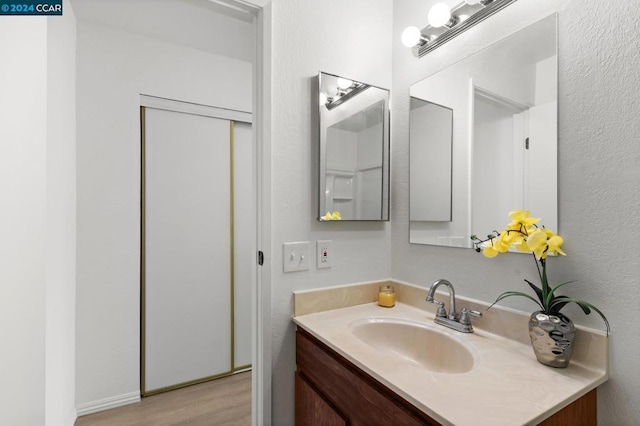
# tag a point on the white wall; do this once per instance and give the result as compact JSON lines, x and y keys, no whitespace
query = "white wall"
{"x":348,"y":38}
{"x":61,"y":219}
{"x":114,"y":68}
{"x":37,"y":213}
{"x":598,"y":167}
{"x":23,"y":224}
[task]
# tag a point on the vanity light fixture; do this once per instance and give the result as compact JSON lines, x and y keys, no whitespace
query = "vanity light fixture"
{"x":345,"y":90}
{"x":445,"y":23}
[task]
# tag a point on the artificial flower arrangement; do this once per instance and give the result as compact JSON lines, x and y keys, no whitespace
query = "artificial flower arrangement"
{"x":331,"y":216}
{"x":525,"y":235}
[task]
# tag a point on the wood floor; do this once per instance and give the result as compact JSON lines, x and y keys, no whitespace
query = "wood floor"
{"x":225,"y":401}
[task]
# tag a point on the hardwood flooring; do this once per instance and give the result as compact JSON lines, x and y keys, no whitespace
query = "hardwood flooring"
{"x":224,"y":402}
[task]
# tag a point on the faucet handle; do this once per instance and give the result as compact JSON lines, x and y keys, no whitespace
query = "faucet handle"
{"x":441,"y":312}
{"x":465,"y":313}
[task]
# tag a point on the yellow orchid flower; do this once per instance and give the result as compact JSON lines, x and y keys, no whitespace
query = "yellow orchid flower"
{"x":332,"y":216}
{"x":513,"y":237}
{"x":536,"y":240}
{"x":502,"y":242}
{"x":554,"y":243}
{"x":524,"y":235}
{"x":489,"y":251}
{"x":537,"y":243}
{"x":522,"y":217}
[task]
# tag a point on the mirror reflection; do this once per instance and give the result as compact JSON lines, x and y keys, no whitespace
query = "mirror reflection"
{"x":504,"y":137}
{"x":430,"y":136}
{"x":354,"y":150}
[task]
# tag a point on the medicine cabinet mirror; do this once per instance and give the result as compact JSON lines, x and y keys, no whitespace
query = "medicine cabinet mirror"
{"x":502,"y":127}
{"x":354,"y":150}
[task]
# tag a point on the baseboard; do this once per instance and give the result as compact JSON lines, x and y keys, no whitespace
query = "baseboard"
{"x":107,"y":403}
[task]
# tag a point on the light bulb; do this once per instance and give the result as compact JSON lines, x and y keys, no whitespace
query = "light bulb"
{"x":462,"y":18}
{"x":411,"y":36}
{"x":344,"y":83}
{"x":332,"y":91}
{"x":439,"y":15}
{"x":323,"y":98}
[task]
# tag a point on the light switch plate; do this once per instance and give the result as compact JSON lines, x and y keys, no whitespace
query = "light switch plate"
{"x":295,"y":256}
{"x":324,"y":253}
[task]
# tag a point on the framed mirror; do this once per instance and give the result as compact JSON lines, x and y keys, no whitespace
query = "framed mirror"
{"x":354,"y":150}
{"x":504,"y":108}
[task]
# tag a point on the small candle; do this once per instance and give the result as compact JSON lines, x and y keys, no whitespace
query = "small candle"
{"x":386,"y":296}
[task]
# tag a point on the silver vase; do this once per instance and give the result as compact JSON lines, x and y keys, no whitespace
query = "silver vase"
{"x":552,"y":338}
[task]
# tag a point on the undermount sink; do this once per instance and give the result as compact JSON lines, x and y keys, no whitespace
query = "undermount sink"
{"x":416,"y":344}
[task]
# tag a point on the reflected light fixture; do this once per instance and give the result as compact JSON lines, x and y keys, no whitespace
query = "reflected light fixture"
{"x":446,"y":23}
{"x":345,"y":90}
{"x":344,"y":83}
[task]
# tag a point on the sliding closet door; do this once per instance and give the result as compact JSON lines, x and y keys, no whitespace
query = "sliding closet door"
{"x":187,"y":256}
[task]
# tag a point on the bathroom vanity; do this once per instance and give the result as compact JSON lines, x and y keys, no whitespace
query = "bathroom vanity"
{"x":365,"y":364}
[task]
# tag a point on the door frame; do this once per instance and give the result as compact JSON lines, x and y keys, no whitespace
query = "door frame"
{"x":261,"y":294}
{"x":261,"y":356}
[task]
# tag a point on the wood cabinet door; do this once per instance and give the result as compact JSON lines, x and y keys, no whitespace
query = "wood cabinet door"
{"x":312,"y":409}
{"x":361,"y":399}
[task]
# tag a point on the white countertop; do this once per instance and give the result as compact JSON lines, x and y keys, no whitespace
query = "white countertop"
{"x":507,"y":385}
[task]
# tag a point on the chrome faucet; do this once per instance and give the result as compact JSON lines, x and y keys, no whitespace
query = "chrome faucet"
{"x":453,"y":315}
{"x":463,"y":323}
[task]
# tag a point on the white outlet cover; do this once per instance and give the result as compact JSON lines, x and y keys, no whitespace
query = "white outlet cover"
{"x":324,"y":253}
{"x":295,"y":256}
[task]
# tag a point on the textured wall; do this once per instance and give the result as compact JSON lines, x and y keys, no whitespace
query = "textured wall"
{"x":599,"y":174}
{"x":348,"y":38}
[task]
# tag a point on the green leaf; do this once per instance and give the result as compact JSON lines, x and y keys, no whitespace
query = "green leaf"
{"x":560,"y":285}
{"x":545,"y":281}
{"x":516,"y":293}
{"x":556,"y":307}
{"x":537,"y":290}
{"x":551,"y":296}
{"x":585,"y":306}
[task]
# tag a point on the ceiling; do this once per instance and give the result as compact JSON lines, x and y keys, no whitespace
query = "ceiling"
{"x":200,"y":24}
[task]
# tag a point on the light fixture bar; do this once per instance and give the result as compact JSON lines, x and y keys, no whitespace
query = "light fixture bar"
{"x":443,"y":35}
{"x":357,"y":89}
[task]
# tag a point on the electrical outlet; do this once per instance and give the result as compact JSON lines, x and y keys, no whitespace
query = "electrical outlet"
{"x":324,"y":253}
{"x":295,"y":256}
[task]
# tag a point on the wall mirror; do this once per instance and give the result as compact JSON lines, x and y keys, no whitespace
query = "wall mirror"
{"x":354,"y":150}
{"x":503,"y":104}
